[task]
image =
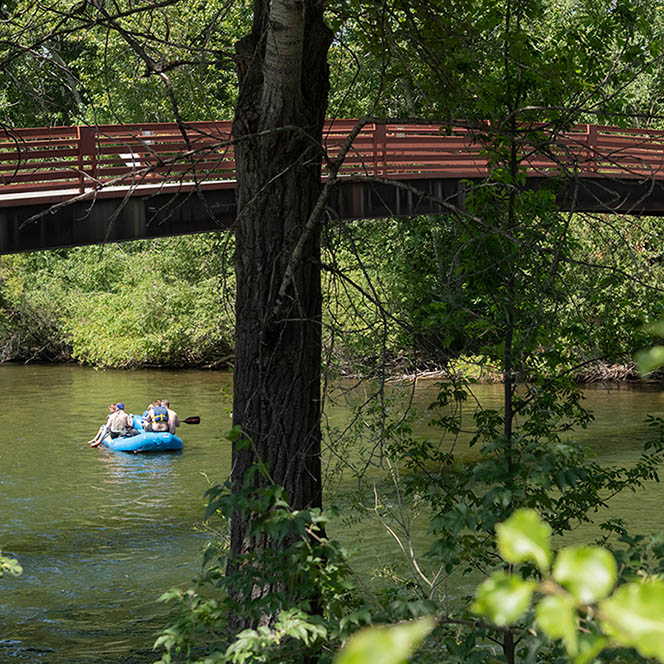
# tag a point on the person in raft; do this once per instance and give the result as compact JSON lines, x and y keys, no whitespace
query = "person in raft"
{"x":161,"y":418}
{"x":173,"y":420}
{"x":103,"y":428}
{"x":121,"y":423}
{"x":157,"y":417}
{"x":147,"y":415}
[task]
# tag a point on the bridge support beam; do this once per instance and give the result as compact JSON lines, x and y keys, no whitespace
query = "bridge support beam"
{"x":56,"y":225}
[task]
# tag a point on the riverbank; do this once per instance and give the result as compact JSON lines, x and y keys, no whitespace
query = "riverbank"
{"x":472,"y":369}
{"x":476,"y":370}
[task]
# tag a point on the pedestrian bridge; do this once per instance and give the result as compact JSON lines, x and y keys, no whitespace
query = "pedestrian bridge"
{"x":68,"y":186}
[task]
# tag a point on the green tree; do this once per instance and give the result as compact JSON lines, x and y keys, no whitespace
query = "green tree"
{"x":137,"y":304}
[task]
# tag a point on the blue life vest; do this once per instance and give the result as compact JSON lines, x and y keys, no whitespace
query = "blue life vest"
{"x":159,"y":414}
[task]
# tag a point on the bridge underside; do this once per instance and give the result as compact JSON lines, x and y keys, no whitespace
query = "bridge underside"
{"x":48,"y":226}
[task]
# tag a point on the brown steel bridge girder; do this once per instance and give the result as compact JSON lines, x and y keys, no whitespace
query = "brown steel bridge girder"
{"x":407,"y":198}
{"x":163,"y":214}
{"x":48,"y":226}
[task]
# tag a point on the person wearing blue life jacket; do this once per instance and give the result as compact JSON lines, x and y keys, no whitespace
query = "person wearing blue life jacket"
{"x":158,"y":417}
{"x":147,"y":415}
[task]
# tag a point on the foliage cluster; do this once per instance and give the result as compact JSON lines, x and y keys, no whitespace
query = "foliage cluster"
{"x":130,"y":305}
{"x":288,"y":562}
{"x":395,"y":296}
{"x":405,"y":293}
{"x":579,"y":604}
{"x":77,"y":64}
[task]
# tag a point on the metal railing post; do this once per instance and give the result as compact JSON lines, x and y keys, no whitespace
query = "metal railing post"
{"x":87,"y":161}
{"x":591,"y":152}
{"x":379,"y":156}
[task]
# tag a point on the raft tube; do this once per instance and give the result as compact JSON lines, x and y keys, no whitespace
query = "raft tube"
{"x":146,"y":441}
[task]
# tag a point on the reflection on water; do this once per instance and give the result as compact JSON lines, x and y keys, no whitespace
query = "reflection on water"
{"x":137,"y":486}
{"x":101,"y":534}
{"x":156,"y":471}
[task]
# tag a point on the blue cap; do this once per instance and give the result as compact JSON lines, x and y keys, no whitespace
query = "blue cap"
{"x":120,"y":405}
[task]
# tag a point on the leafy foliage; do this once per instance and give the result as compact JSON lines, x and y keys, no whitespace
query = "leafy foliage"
{"x":137,"y":304}
{"x":579,"y":596}
{"x":290,"y":571}
{"x":385,"y":645}
{"x":77,"y":64}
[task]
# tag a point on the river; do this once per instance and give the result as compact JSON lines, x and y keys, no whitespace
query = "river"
{"x":101,"y":535}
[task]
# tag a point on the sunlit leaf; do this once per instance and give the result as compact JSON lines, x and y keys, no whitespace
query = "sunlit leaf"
{"x":590,"y":645}
{"x":556,"y":617}
{"x":9,"y":565}
{"x":588,"y":573}
{"x":656,"y":328}
{"x":524,"y":536}
{"x":634,"y":616}
{"x":385,"y":645}
{"x":502,"y":598}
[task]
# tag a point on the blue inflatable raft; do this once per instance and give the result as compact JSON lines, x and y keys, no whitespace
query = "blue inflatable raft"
{"x":146,"y":441}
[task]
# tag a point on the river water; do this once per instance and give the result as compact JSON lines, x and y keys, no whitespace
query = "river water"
{"x":101,"y":535}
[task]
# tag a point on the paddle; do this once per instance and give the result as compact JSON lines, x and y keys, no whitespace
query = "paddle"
{"x":194,"y":419}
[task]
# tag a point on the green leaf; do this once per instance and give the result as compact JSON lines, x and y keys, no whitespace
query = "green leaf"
{"x":9,"y":565}
{"x":524,"y":536}
{"x":503,"y":598}
{"x":588,"y":573}
{"x":385,"y":645}
{"x":649,"y":360}
{"x":234,"y":433}
{"x":634,"y":616}
{"x":656,"y":329}
{"x":556,"y":617}
{"x":590,"y":645}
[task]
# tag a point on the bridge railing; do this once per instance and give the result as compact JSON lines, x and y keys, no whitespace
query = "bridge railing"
{"x":79,"y":159}
{"x":426,"y":150}
{"x":82,"y":158}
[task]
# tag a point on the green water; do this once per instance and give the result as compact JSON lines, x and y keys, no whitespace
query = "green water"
{"x":100,"y":534}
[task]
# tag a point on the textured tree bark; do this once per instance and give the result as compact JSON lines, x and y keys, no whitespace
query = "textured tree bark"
{"x":283,"y":78}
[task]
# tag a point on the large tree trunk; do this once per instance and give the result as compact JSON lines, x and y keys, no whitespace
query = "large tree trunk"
{"x":283,"y":78}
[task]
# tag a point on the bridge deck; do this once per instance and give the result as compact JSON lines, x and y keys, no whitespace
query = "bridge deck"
{"x":141,"y":177}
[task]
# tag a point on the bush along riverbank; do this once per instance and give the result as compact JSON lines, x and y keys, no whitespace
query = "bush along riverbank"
{"x":138,"y":304}
{"x":394,"y":304}
{"x":477,"y":370}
